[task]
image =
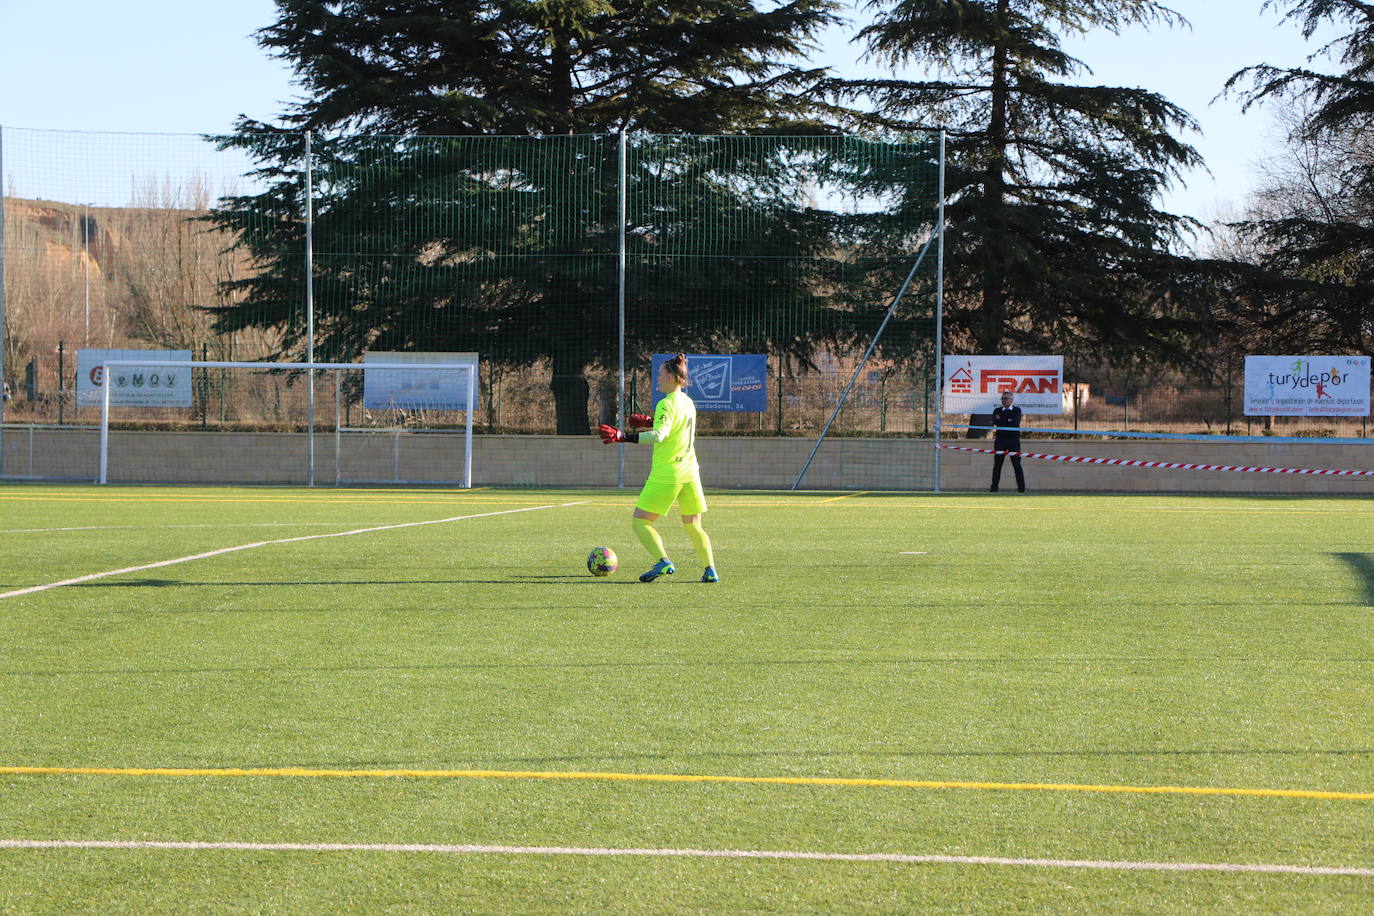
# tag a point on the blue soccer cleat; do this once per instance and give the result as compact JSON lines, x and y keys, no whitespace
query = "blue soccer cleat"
{"x":663,"y":567}
{"x":710,"y":575}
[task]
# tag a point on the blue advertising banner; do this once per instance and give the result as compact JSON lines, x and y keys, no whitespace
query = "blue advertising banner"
{"x":736,"y":382}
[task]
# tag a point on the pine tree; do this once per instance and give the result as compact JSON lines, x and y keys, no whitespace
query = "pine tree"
{"x":1054,"y":240}
{"x":552,"y":69}
{"x":1315,"y":282}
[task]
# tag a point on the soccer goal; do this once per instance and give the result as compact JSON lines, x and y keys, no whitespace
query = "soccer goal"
{"x":294,"y":424}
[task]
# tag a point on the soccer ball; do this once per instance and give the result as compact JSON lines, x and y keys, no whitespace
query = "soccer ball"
{"x":602,"y":561}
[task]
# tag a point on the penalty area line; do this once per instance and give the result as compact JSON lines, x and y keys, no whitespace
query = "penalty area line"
{"x":903,"y":858}
{"x":305,"y":537}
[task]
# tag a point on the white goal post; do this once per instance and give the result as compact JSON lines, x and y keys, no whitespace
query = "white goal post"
{"x":180,"y":421}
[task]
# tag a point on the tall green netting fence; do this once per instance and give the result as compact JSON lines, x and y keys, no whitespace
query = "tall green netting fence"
{"x":564,"y":262}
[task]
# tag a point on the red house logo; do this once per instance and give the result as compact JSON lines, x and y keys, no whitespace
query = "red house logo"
{"x":961,"y":382}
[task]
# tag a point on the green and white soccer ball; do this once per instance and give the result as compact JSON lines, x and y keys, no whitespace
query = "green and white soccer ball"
{"x":602,"y":561}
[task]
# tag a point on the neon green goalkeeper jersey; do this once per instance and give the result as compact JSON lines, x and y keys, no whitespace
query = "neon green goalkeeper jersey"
{"x":674,"y":436}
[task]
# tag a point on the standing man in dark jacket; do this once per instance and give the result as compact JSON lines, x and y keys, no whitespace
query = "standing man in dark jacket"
{"x":1007,"y":419}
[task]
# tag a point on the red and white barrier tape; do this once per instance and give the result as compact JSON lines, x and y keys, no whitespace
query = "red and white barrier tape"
{"x":1168,"y":465}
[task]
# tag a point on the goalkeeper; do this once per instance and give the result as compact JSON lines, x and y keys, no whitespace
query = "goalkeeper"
{"x":673,"y":476}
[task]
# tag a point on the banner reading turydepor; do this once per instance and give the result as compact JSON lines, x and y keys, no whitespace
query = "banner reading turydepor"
{"x":418,"y":388}
{"x":974,"y":384}
{"x":133,"y":386}
{"x":736,"y":382}
{"x":1307,"y":386}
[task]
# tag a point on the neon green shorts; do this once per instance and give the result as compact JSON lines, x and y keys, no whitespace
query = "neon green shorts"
{"x":658,"y":496}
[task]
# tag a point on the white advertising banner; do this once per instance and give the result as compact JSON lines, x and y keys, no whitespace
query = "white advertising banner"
{"x":1307,"y":386}
{"x":974,"y":384}
{"x":415,"y":389}
{"x":133,"y":386}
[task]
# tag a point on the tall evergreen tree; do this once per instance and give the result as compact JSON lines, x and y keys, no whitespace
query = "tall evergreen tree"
{"x":1054,"y":237}
{"x":526,"y":68}
{"x":1316,"y":239}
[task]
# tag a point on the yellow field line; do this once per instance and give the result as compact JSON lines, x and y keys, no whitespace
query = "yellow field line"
{"x":681,"y":777}
{"x":835,"y":499}
{"x":915,"y":501}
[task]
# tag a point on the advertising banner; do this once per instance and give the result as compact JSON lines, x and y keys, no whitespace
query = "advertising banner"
{"x":416,"y":389}
{"x":719,"y":382}
{"x":1307,"y":386}
{"x":974,"y":384}
{"x":133,"y":386}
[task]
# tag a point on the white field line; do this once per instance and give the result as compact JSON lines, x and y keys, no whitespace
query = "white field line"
{"x":161,"y":527}
{"x":1107,"y":865}
{"x":305,"y":537}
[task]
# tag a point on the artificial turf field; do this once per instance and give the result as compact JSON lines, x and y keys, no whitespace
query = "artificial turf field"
{"x":967,"y":675}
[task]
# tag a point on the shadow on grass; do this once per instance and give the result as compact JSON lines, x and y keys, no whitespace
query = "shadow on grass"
{"x":1363,"y":565}
{"x":513,"y":580}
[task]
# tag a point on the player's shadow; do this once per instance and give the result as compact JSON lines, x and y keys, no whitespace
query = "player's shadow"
{"x":1363,"y":565}
{"x":574,"y":579}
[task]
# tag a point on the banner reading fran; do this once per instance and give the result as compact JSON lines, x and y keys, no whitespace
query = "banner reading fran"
{"x":735,"y":382}
{"x":1307,"y":386}
{"x":974,"y":384}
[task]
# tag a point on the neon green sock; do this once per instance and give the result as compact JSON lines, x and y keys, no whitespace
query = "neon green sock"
{"x":644,"y":530}
{"x":700,"y":541}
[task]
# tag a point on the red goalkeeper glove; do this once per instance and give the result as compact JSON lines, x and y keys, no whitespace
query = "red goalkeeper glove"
{"x":641,"y":421}
{"x":610,"y":435}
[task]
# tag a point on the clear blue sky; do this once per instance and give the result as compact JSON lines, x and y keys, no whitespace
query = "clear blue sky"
{"x":167,"y":66}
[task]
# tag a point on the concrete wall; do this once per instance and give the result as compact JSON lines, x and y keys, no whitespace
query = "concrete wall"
{"x":968,"y":471}
{"x":751,"y":463}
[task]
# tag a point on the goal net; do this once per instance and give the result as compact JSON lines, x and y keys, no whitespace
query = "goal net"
{"x":293,"y":424}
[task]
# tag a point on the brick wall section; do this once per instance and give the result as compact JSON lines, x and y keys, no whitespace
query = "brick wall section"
{"x":748,"y":463}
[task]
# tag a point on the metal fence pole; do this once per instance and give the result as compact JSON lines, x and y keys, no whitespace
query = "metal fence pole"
{"x":940,"y":315}
{"x":467,"y":432}
{"x":309,"y":313}
{"x":86,"y":269}
{"x":338,"y":428}
{"x":622,"y":211}
{"x":105,"y":386}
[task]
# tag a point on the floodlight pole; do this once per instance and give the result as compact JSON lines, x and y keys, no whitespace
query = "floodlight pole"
{"x":309,"y":313}
{"x":620,"y":387}
{"x":940,"y":315}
